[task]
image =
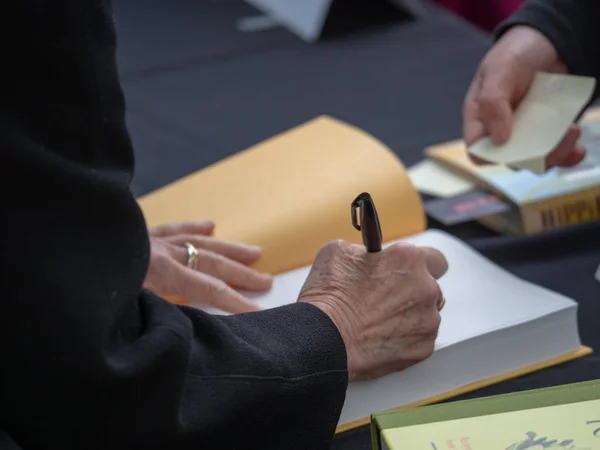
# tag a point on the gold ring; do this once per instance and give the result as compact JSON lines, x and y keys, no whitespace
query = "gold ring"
{"x":192,"y":255}
{"x":442,"y":303}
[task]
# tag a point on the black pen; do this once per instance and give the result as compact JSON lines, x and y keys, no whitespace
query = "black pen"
{"x":369,"y":222}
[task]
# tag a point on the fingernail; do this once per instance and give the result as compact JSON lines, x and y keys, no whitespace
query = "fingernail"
{"x":268,"y":279}
{"x":267,"y":276}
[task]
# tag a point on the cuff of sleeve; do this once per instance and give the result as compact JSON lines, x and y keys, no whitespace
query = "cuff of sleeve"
{"x":308,"y":337}
{"x":538,"y":15}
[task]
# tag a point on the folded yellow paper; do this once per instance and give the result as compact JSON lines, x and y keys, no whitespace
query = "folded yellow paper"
{"x":291,"y":194}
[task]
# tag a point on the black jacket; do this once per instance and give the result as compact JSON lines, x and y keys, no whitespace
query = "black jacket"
{"x":89,"y":359}
{"x":571,"y":26}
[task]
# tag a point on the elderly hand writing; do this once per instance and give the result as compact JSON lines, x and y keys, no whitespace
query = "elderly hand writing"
{"x":385,"y":305}
{"x":218,"y":266}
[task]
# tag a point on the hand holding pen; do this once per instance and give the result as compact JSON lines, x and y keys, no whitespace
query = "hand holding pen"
{"x":384,"y":302}
{"x":370,"y":227}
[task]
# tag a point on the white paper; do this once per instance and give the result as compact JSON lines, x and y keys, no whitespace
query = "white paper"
{"x":515,"y":323}
{"x":480,"y":296}
{"x":305,"y":18}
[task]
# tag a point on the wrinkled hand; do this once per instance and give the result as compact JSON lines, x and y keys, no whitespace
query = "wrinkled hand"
{"x":220,"y":265}
{"x":385,"y":304}
{"x":502,"y":81}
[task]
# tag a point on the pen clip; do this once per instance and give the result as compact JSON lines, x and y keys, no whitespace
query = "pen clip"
{"x":356,"y":204}
{"x":368,"y":224}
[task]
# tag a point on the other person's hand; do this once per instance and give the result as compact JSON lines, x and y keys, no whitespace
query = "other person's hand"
{"x":384,"y":304}
{"x":219,"y":266}
{"x":502,"y":80}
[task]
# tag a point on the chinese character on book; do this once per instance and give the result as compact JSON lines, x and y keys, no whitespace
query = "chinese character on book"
{"x":537,"y":443}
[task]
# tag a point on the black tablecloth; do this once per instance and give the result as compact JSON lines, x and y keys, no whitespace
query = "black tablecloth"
{"x":198,"y":90}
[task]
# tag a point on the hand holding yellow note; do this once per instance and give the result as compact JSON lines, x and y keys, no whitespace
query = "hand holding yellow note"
{"x":540,"y":122}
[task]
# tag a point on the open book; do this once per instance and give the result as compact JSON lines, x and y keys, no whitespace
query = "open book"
{"x":292,"y":194}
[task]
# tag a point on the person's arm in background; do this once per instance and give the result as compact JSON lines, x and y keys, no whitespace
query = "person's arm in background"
{"x":572,"y":28}
{"x":560,"y":36}
{"x":92,"y":361}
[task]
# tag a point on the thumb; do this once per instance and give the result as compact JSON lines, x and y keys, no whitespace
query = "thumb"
{"x":497,"y":95}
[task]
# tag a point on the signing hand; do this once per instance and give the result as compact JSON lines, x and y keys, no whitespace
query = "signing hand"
{"x":219,"y":265}
{"x":502,"y":81}
{"x":385,"y":305}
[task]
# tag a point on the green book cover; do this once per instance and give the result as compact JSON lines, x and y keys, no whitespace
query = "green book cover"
{"x":564,"y":417}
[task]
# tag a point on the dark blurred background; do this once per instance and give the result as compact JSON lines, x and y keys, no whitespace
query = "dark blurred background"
{"x":199,"y":88}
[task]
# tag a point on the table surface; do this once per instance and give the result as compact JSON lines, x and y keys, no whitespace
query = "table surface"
{"x":198,"y":90}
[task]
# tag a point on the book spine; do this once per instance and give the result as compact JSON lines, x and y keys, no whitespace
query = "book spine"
{"x":562,"y":211}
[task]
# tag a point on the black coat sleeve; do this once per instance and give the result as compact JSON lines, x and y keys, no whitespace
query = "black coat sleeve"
{"x":571,"y":25}
{"x":89,"y":359}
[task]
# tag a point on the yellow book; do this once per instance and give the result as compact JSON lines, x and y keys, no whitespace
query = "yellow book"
{"x":292,"y":193}
{"x":565,"y":417}
{"x":563,"y":426}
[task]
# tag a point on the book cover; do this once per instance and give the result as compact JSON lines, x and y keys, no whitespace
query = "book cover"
{"x":564,"y":417}
{"x":291,"y":194}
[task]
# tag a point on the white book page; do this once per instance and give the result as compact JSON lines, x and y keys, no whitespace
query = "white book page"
{"x":481,"y":297}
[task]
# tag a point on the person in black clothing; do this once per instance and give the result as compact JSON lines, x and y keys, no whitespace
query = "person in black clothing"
{"x":559,"y":36}
{"x":92,"y":360}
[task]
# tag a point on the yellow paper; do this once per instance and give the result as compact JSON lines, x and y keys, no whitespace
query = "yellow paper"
{"x":431,"y":177}
{"x":292,"y":193}
{"x":573,"y":426}
{"x":454,"y":156}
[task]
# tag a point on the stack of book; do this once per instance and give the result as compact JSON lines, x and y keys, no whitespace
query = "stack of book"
{"x":512,"y":201}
